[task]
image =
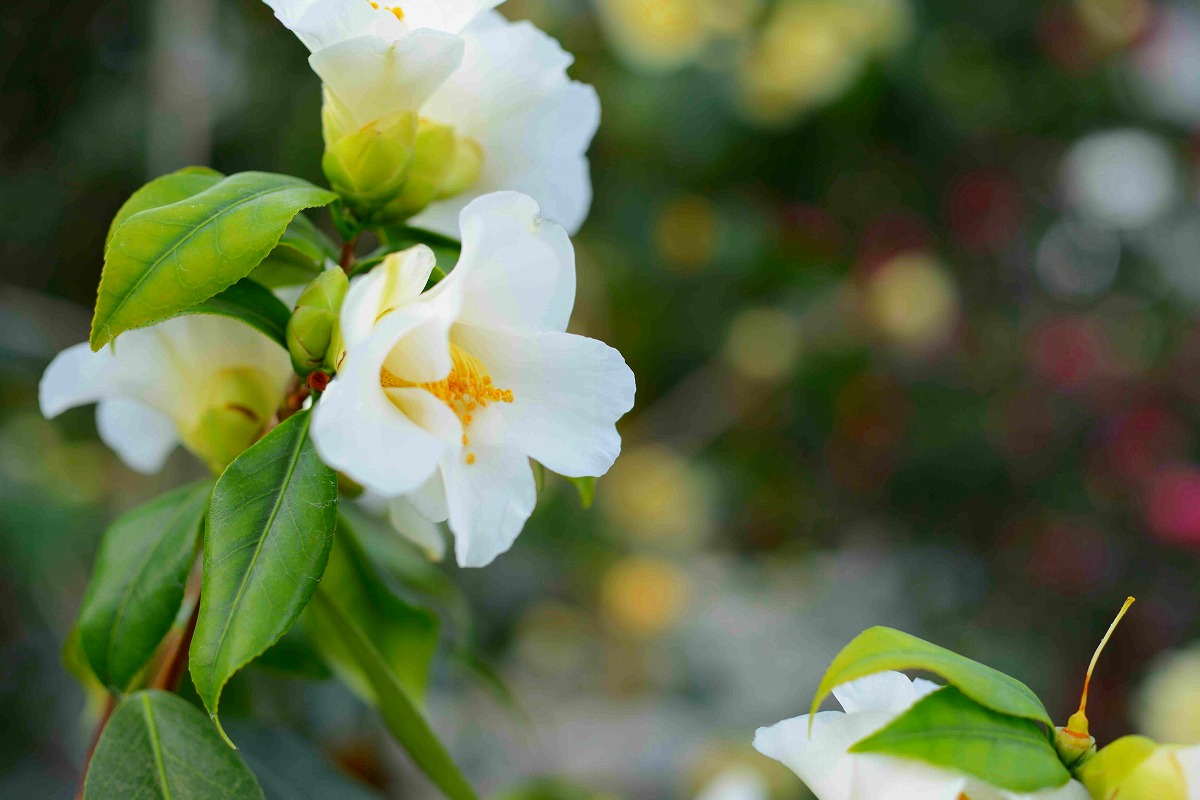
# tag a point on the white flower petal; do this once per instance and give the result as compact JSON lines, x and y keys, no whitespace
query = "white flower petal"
{"x":819,"y":760}
{"x":444,"y":15}
{"x":140,"y":435}
{"x":884,"y":778}
{"x":423,"y":355}
{"x":517,"y":270}
{"x":357,"y":429}
{"x":400,"y":278}
{"x":430,"y":499}
{"x":489,"y":502}
{"x":1188,"y":759}
{"x":409,"y":523}
{"x":326,"y":22}
{"x":430,"y":413}
{"x":374,"y":77}
{"x":75,"y":377}
{"x":534,"y":125}
{"x":568,"y":393}
{"x":1072,"y":790}
{"x":892,"y":692}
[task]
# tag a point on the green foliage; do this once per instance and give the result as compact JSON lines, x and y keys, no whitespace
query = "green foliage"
{"x":880,"y":649}
{"x":587,"y":490}
{"x":399,"y":711}
{"x":948,"y":729}
{"x":252,"y":304}
{"x":405,"y":634}
{"x":138,"y":582}
{"x":159,"y":747}
{"x":267,"y":539}
{"x":298,"y":258}
{"x":289,"y":768}
{"x":163,"y":191}
{"x":295,"y":655}
{"x":165,"y":259}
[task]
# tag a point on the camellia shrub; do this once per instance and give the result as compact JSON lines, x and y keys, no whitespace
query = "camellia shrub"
{"x":431,"y":378}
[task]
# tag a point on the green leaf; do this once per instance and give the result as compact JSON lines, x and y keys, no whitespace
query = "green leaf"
{"x":166,"y":259}
{"x":881,"y":649}
{"x":267,"y":539}
{"x":289,"y":768}
{"x":587,"y":490}
{"x":158,"y":747}
{"x":163,"y":191}
{"x":950,"y":730}
{"x":405,"y":634}
{"x":298,"y":258}
{"x":138,"y":581}
{"x":253,"y":304}
{"x":399,"y":712}
{"x":295,"y":655}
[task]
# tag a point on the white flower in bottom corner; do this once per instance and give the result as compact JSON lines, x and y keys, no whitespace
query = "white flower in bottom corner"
{"x":211,"y":383}
{"x":442,"y":398}
{"x":870,"y":703}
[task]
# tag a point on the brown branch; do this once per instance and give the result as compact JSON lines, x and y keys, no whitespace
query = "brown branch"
{"x":109,"y":706}
{"x":348,"y":255}
{"x":172,"y":666}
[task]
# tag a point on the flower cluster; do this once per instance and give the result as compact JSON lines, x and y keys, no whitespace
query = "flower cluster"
{"x":444,"y":116}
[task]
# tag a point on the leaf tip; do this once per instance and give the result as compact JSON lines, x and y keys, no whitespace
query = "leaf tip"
{"x":221,"y":731}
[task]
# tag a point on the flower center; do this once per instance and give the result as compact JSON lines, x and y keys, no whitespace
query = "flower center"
{"x":465,"y":390}
{"x":399,"y":12}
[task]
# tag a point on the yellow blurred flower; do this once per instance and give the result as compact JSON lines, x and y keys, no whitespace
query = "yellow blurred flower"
{"x":643,"y":596}
{"x":912,"y":302}
{"x":667,"y":34}
{"x":811,"y":51}
{"x":653,"y":494}
{"x":1168,"y":704}
{"x":763,"y":344}
{"x":685,"y":233}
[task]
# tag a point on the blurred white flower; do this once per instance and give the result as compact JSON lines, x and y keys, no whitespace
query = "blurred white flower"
{"x":831,"y":773}
{"x":736,"y":784}
{"x":1168,"y":704}
{"x":443,"y":397}
{"x":496,"y":108}
{"x":208,"y":382}
{"x":1123,"y":179}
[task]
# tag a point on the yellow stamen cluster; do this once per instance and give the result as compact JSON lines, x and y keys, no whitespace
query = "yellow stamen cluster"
{"x":399,"y":12}
{"x":465,"y":390}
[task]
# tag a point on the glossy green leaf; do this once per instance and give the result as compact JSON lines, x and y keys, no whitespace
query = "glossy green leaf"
{"x":950,"y":730}
{"x":405,"y":634}
{"x":166,"y":259}
{"x":295,"y":655}
{"x":267,"y":539}
{"x":289,"y":768}
{"x":163,"y":191}
{"x":157,"y":746}
{"x":251,"y":303}
{"x":138,"y":581}
{"x":881,"y":649}
{"x":399,"y":711}
{"x":298,"y":258}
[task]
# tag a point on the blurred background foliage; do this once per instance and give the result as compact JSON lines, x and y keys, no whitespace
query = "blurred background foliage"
{"x":911,"y":294}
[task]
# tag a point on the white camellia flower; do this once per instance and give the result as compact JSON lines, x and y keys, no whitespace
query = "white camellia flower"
{"x":500,"y":88}
{"x":831,"y":772}
{"x":211,"y":383}
{"x":442,"y":397}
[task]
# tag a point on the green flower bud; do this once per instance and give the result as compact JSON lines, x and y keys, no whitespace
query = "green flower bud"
{"x":312,"y":327}
{"x":443,"y":165}
{"x":1073,"y":748}
{"x":1134,"y":768}
{"x":235,"y":407}
{"x":366,"y":165}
